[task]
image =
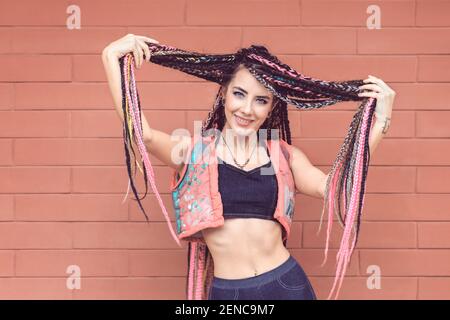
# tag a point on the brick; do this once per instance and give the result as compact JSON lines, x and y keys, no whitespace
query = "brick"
{"x":6,"y":153}
{"x":60,"y":39}
{"x":407,"y":207}
{"x":64,"y":96}
{"x":407,"y":263}
{"x":433,"y":69}
{"x":70,"y":207}
{"x":311,"y":261}
{"x":433,"y":235}
{"x":34,"y":124}
{"x":418,"y":152}
{"x":338,"y":122}
{"x":7,"y":263}
{"x":434,"y":288}
{"x":96,"y":124}
{"x":6,"y":39}
{"x":105,"y":13}
{"x":211,"y":40}
{"x":433,"y":179}
{"x":432,"y":13}
{"x":26,"y":68}
{"x":132,"y":288}
{"x":34,"y":289}
{"x":235,"y":13}
{"x":51,"y":263}
{"x":314,"y":41}
{"x":422,"y":96}
{"x":372,"y":235}
{"x":158,"y":263}
{"x":34,"y":179}
{"x":23,"y":12}
{"x":72,"y":152}
{"x":7,"y":207}
{"x":355,"y":288}
{"x":43,"y":235}
{"x":6,"y":96}
{"x":98,"y":96}
{"x":342,"y":68}
{"x":403,"y":41}
{"x":122,"y":235}
{"x":432,"y":124}
{"x":354,"y":13}
{"x":115,"y":179}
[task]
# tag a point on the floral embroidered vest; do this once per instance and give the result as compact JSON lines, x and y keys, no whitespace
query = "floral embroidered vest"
{"x":198,"y":205}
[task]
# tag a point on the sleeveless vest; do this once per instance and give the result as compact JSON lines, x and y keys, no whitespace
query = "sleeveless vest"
{"x":198,"y":205}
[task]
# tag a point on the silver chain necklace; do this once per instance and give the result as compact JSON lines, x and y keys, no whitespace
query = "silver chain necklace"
{"x":234,"y":159}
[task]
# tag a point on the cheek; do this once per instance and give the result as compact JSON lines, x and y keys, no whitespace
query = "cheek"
{"x":262,"y":114}
{"x":232,"y":104}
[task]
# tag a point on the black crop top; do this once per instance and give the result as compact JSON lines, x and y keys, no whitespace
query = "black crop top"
{"x":247,"y":194}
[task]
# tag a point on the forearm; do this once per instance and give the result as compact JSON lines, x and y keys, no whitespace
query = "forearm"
{"x":112,"y":70}
{"x":376,"y":134}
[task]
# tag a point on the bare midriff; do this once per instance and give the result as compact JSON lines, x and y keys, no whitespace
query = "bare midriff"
{"x":245,"y":247}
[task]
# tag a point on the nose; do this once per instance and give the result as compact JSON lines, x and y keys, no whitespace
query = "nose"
{"x":247,"y":108}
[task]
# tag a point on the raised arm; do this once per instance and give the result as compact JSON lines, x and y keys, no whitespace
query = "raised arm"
{"x":309,"y":179}
{"x":110,"y":58}
{"x":158,"y":143}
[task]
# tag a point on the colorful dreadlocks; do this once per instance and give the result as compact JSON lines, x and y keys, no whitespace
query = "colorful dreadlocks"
{"x":347,"y":177}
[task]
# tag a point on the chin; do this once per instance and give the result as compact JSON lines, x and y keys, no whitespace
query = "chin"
{"x":243,"y":131}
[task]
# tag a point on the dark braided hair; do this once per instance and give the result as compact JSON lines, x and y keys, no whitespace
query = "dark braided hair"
{"x":347,"y":179}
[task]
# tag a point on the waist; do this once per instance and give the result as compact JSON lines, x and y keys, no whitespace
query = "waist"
{"x":276,"y":271}
{"x":241,"y":266}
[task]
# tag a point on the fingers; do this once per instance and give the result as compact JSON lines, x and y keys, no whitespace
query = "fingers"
{"x":147,"y":39}
{"x":378,"y":85}
{"x":380,"y":82}
{"x":370,"y":94}
{"x":145,"y":48}
{"x":141,"y":48}
{"x":136,"y":56}
{"x":374,"y":87}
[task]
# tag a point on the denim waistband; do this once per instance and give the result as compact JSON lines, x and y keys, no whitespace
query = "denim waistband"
{"x":262,"y":278}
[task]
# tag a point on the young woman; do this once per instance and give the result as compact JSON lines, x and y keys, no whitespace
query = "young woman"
{"x":237,"y":217}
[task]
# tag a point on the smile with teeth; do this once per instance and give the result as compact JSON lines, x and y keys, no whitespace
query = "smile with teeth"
{"x":242,"y":121}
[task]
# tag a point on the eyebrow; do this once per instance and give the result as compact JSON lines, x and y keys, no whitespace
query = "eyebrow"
{"x":247,"y":92}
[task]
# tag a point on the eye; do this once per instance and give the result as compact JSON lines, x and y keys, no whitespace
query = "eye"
{"x":263,"y":100}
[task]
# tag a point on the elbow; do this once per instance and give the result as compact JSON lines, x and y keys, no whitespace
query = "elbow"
{"x":322,"y":186}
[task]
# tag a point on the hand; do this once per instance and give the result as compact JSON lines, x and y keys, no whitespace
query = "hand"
{"x":131,"y":43}
{"x":383,"y":93}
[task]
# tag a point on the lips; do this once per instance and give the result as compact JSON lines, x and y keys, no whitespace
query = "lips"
{"x":242,"y":121}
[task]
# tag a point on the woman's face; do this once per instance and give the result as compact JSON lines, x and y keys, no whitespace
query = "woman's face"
{"x":247,"y":99}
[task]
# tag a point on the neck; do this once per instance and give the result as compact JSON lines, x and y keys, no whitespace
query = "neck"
{"x":241,"y":145}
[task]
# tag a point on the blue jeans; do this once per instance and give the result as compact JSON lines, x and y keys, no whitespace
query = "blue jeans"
{"x":288,"y":281}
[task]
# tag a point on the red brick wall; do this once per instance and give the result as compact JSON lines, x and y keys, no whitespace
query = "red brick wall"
{"x":62,"y":166}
